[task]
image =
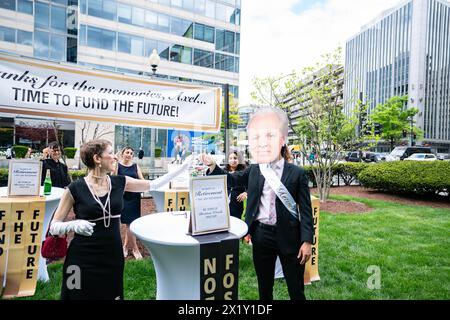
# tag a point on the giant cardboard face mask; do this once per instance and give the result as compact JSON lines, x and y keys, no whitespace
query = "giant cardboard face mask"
{"x":265,"y":138}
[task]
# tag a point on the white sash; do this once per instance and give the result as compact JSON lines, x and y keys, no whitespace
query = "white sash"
{"x":279,"y":188}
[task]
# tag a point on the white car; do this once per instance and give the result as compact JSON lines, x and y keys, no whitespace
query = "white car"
{"x":421,"y":157}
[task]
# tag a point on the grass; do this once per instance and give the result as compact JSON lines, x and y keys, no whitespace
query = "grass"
{"x":410,"y":245}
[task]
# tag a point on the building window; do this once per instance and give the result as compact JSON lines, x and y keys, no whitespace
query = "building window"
{"x":149,"y":46}
{"x":72,"y":49}
{"x":224,"y":62}
{"x":83,"y":35}
{"x":177,"y":3}
{"x":8,"y":4}
{"x":225,"y":40}
{"x":138,"y":17}
{"x":210,"y":9}
{"x":163,"y":50}
{"x":181,"y":54}
{"x":188,"y":5}
{"x":41,"y":42}
{"x":58,"y":47}
{"x":181,"y":27}
{"x":225,"y":13}
{"x":105,"y":9}
{"x":42,"y":16}
{"x":124,"y":13}
{"x":163,"y":22}
{"x":204,"y":33}
{"x":199,"y":6}
{"x":25,"y":6}
{"x":203,"y":58}
{"x":25,"y":37}
{"x":130,"y":44}
{"x":100,"y":38}
{"x":151,"y":20}
{"x":58,"y":19}
{"x":7,"y":34}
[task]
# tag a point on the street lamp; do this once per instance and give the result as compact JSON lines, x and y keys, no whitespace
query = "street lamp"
{"x":154,"y":60}
{"x":411,"y":134}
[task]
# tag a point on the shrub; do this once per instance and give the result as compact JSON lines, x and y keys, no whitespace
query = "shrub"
{"x":70,"y":152}
{"x":349,"y":171}
{"x":410,"y":177}
{"x":20,"y":151}
{"x":77,"y":174}
{"x":158,"y":152}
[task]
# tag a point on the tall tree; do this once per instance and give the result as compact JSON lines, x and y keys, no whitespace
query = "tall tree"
{"x":395,"y":119}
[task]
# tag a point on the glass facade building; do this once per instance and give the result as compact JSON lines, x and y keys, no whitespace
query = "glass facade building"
{"x":198,"y":40}
{"x":405,"y":51}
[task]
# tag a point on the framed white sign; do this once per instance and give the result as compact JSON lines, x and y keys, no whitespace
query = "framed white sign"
{"x":210,"y":211}
{"x":24,"y":178}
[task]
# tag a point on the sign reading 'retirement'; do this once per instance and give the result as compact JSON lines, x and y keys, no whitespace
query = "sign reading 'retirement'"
{"x":210,"y":211}
{"x":24,"y":178}
{"x":33,"y":87}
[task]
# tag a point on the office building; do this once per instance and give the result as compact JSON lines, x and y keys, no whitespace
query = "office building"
{"x":405,"y":51}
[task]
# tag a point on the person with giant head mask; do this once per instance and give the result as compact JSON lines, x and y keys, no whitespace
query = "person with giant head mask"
{"x":278,"y":213}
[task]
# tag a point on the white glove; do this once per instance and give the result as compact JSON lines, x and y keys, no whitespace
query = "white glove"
{"x":161,"y":181}
{"x":82,"y":227}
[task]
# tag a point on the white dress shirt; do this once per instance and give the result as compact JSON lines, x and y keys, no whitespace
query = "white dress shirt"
{"x":268,"y":196}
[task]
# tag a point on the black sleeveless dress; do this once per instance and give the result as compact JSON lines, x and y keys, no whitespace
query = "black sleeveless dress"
{"x":131,"y":200}
{"x":93,"y":268}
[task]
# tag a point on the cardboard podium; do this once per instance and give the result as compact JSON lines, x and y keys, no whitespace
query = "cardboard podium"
{"x":21,"y":225}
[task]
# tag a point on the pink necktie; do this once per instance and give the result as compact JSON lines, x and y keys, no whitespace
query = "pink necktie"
{"x":272,"y":213}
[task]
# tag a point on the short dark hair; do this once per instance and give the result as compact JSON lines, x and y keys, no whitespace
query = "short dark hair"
{"x":127,"y":148}
{"x":54,"y":145}
{"x":92,"y":148}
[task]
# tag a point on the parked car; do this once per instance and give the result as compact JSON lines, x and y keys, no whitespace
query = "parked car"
{"x":443,"y":156}
{"x":373,"y":157}
{"x":400,"y":153}
{"x":422,"y":157}
{"x":353,"y":156}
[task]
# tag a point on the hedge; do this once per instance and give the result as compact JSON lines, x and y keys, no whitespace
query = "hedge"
{"x":70,"y":152}
{"x":348,"y":171}
{"x":20,"y":151}
{"x":77,"y":174}
{"x":408,"y":177}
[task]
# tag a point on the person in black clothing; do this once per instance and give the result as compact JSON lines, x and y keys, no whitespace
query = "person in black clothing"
{"x":94,"y":265}
{"x":236,"y":194}
{"x":274,"y":229}
{"x":58,"y":170}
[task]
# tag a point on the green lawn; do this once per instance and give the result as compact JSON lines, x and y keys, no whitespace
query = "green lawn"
{"x":410,"y":245}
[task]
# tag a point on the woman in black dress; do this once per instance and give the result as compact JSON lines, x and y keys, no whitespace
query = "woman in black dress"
{"x":131,"y":200}
{"x":93,"y":268}
{"x":237,"y":194}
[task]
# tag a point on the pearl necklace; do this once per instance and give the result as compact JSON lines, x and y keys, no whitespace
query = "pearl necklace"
{"x":106,"y":208}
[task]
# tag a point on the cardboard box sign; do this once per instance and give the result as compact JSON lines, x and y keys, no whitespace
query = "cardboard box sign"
{"x":21,"y":223}
{"x":219,"y":266}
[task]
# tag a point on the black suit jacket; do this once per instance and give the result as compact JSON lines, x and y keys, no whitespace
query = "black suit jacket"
{"x":290,"y":232}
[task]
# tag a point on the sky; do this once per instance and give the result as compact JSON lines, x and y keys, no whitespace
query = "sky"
{"x":279,"y":36}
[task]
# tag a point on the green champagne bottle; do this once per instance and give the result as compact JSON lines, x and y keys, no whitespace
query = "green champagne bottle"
{"x":47,"y":183}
